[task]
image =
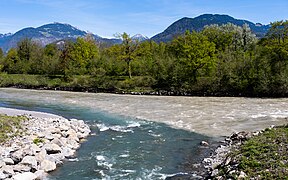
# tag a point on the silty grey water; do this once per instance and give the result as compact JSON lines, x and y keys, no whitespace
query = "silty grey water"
{"x":128,"y":147}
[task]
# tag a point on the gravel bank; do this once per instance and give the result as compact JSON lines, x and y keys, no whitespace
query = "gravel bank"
{"x":46,"y":141}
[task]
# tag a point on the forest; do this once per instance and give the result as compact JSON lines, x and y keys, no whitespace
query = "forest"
{"x":220,"y":60}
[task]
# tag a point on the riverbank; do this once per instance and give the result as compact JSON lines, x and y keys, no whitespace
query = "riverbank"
{"x":251,"y":155}
{"x":138,"y":85}
{"x":43,"y":142}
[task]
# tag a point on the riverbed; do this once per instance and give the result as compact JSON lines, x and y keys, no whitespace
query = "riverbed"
{"x":146,"y":137}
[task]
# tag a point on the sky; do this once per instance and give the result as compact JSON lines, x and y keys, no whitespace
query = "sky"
{"x":148,"y":17}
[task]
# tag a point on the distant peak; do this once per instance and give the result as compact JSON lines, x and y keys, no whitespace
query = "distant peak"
{"x":139,"y":37}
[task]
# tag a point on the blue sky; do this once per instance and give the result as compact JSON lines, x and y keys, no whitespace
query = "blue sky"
{"x":147,"y":17}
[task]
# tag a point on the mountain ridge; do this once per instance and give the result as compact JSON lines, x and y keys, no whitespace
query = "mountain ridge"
{"x":199,"y":22}
{"x":53,"y":32}
{"x":48,"y":33}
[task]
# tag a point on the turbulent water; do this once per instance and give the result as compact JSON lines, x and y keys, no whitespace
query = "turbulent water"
{"x":146,"y":137}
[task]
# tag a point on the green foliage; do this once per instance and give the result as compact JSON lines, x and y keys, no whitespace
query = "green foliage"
{"x":37,"y":141}
{"x":195,"y":57}
{"x":265,"y":155}
{"x":10,"y":126}
{"x":220,"y":60}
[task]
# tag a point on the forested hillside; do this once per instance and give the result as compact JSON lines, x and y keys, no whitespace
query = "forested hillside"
{"x":226,"y":60}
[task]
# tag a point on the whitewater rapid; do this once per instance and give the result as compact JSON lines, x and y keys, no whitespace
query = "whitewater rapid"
{"x":212,"y":116}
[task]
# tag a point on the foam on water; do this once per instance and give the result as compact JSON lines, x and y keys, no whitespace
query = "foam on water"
{"x":126,"y":147}
{"x":190,"y":113}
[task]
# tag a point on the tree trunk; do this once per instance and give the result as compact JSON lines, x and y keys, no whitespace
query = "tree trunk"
{"x":129,"y":69}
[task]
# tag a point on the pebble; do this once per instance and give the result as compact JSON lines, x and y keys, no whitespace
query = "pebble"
{"x":57,"y":138}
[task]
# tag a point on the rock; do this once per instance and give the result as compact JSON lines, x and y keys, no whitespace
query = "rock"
{"x":21,"y":168}
{"x":49,"y":137}
{"x":2,"y":163}
{"x":52,"y":148}
{"x":57,"y":136}
{"x":40,"y":135}
{"x":72,"y":134}
{"x":53,"y":130}
{"x":242,"y":175}
{"x":30,"y":161}
{"x":8,"y":161}
{"x":8,"y":170}
{"x":68,"y":152}
{"x":25,"y":176}
{"x":204,"y":143}
{"x":57,"y":158}
{"x":41,"y":174}
{"x":71,"y":143}
{"x":64,"y":128}
{"x":47,"y":165}
{"x":214,"y":172}
{"x":41,"y":156}
{"x":59,"y":142}
{"x":17,"y":156}
{"x":227,"y":161}
{"x":2,"y":175}
{"x":35,"y":148}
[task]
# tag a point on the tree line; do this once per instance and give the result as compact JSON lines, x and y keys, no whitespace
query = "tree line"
{"x":219,"y":60}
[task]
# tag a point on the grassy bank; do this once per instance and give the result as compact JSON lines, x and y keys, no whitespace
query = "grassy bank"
{"x":78,"y":82}
{"x":264,"y":156}
{"x":10,"y":126}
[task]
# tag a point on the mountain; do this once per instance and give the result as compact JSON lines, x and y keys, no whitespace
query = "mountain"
{"x":139,"y":37}
{"x":47,"y":34}
{"x":198,"y":23}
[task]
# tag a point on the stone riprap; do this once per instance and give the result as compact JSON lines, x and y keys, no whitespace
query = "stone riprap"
{"x":45,"y":142}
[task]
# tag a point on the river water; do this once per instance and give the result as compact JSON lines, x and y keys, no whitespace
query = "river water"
{"x":146,"y":137}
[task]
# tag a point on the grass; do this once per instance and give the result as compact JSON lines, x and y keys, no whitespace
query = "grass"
{"x":37,"y":141}
{"x":10,"y":126}
{"x":264,"y":156}
{"x":78,"y":82}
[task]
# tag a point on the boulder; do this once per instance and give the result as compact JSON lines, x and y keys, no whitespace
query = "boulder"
{"x":40,"y":135}
{"x":41,"y":174}
{"x":242,"y":175}
{"x":47,"y":165}
{"x":25,"y":176}
{"x":41,"y":155}
{"x":57,"y":158}
{"x":53,"y":130}
{"x":34,"y":148}
{"x":71,"y":143}
{"x":8,"y":161}
{"x":2,"y":163}
{"x":52,"y":148}
{"x":21,"y":168}
{"x":63,"y":127}
{"x":204,"y":143}
{"x":8,"y":170}
{"x":49,"y":137}
{"x":68,"y":152}
{"x":59,"y":142}
{"x":17,"y":156}
{"x":2,"y":175}
{"x":72,"y":134}
{"x":30,"y":161}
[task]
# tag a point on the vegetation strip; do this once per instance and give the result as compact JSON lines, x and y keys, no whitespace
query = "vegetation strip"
{"x":220,"y":60}
{"x":259,"y":155}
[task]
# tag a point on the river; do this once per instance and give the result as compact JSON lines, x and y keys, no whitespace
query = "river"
{"x":146,"y":137}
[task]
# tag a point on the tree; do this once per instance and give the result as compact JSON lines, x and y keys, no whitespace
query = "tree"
{"x":1,"y":59}
{"x":84,"y":52}
{"x":51,"y":60}
{"x":10,"y":62}
{"x":128,"y":48}
{"x":194,"y":53}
